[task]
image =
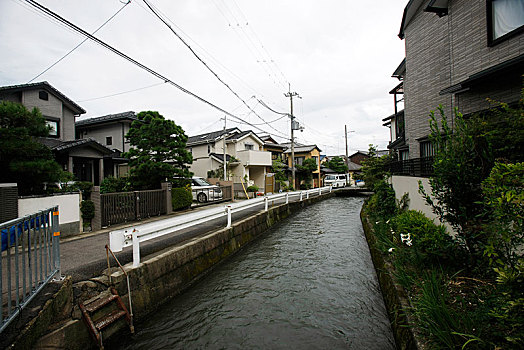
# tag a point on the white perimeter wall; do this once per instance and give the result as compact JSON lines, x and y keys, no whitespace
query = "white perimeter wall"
{"x":409,"y":184}
{"x":68,"y":206}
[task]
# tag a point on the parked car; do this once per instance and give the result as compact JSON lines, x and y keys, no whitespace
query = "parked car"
{"x":336,"y":180}
{"x":203,"y":191}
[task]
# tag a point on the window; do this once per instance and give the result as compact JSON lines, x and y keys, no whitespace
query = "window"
{"x":403,"y":154}
{"x":249,"y":146}
{"x":109,"y":140}
{"x":43,"y":95}
{"x":54,"y":127}
{"x":299,"y":160}
{"x":426,"y":149}
{"x":505,"y":19}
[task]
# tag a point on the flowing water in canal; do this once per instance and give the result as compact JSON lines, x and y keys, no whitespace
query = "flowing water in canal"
{"x":308,"y":283}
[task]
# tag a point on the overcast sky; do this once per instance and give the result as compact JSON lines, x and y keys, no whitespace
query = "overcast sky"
{"x":338,"y":55}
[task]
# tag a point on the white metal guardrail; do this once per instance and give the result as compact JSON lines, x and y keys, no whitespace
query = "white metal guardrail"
{"x":133,"y":236}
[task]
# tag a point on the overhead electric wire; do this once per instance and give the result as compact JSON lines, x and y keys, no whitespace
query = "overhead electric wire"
{"x":83,"y":41}
{"x":260,"y":42}
{"x":271,"y":109}
{"x":203,"y":62}
{"x":121,"y":93}
{"x":121,"y":54}
{"x":268,"y":72}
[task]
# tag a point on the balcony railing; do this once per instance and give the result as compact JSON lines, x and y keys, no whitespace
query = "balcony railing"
{"x":422,"y":167}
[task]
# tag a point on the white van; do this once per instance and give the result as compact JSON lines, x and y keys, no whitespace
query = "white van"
{"x":336,"y":180}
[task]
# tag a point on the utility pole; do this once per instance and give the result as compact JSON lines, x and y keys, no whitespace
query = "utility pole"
{"x":293,"y":127}
{"x":346,"y":134}
{"x":225,"y":167}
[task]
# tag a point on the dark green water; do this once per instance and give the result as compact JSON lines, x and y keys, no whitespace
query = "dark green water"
{"x":309,"y":283}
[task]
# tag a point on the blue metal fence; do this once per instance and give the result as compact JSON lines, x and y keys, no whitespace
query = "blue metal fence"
{"x":30,"y":258}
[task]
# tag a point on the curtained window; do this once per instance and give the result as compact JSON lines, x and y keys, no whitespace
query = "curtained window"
{"x":505,"y":16}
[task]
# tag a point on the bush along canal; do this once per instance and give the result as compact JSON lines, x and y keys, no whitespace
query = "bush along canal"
{"x":309,"y":283}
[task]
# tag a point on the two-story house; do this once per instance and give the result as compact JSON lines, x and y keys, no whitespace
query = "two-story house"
{"x":244,"y":146}
{"x":459,"y":53}
{"x":109,"y":130}
{"x":303,"y":152}
{"x":83,"y":158}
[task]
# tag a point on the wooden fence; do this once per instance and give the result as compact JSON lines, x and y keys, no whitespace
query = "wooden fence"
{"x":123,"y":207}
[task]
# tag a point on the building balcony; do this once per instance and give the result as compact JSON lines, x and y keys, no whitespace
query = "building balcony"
{"x":254,"y":158}
{"x":420,"y":167}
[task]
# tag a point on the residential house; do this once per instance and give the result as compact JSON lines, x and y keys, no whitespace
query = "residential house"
{"x":458,"y":54}
{"x":109,"y":130}
{"x":245,"y":148}
{"x":303,"y":152}
{"x":83,"y":158}
{"x":359,"y":156}
{"x":353,"y":168}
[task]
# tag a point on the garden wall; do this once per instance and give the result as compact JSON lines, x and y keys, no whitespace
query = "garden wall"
{"x":68,"y":206}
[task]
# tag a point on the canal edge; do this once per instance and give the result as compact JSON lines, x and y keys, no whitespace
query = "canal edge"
{"x":160,"y":277}
{"x":395,"y":297}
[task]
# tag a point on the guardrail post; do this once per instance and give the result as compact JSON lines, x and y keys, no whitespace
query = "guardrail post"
{"x":266,"y":201}
{"x":307,"y":194}
{"x":136,"y":249}
{"x":287,"y":197}
{"x":319,"y":190}
{"x":301,"y":196}
{"x":56,"y":241}
{"x":228,"y":211}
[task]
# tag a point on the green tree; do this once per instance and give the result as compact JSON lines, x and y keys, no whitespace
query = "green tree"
{"x":305,"y":170}
{"x":465,"y":156}
{"x":337,"y":164}
{"x":22,"y":158}
{"x":375,"y":168}
{"x":278,"y":169}
{"x":159,"y":151}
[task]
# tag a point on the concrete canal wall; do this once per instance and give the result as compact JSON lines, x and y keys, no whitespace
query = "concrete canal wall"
{"x":395,"y":297}
{"x":158,"y":278}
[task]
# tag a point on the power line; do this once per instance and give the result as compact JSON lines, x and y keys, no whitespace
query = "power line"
{"x":121,"y":93}
{"x":203,"y":62}
{"x":83,"y":41}
{"x":121,"y":54}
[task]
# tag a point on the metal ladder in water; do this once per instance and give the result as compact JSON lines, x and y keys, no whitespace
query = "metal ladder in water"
{"x":98,"y":321}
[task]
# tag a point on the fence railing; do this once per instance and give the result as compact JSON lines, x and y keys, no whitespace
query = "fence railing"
{"x":30,"y":259}
{"x":122,"y":207}
{"x":422,"y":167}
{"x":133,"y":236}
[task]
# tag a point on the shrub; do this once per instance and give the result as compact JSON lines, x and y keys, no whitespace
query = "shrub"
{"x":87,"y":207}
{"x":252,"y":188}
{"x":85,"y":187}
{"x":115,"y":184}
{"x":181,"y":197}
{"x":431,"y":243}
{"x":503,"y":194}
{"x":305,"y":186}
{"x":383,"y":202}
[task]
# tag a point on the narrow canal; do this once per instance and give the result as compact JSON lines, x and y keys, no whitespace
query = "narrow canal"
{"x":309,"y":283}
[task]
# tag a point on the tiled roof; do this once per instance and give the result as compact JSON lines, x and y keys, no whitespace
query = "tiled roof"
{"x":301,"y":148}
{"x":45,"y":85}
{"x":59,"y":146}
{"x":210,"y":136}
{"x":130,"y":115}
